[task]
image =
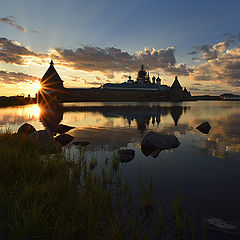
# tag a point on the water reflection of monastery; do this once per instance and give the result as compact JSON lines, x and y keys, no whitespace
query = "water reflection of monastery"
{"x":143,"y":89}
{"x":143,"y":115}
{"x":51,"y":115}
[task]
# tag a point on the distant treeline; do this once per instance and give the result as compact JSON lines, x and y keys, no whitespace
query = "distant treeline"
{"x":15,"y":101}
{"x":225,"y":97}
{"x":206,"y":97}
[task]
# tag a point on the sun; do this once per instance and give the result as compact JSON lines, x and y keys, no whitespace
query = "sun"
{"x":37,"y":86}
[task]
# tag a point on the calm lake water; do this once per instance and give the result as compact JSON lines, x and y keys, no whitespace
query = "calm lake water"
{"x":204,"y":169}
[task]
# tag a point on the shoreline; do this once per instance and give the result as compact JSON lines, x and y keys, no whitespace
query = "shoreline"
{"x":21,"y":101}
{"x":16,"y":101}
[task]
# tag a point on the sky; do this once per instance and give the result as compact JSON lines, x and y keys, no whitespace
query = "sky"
{"x":99,"y":41}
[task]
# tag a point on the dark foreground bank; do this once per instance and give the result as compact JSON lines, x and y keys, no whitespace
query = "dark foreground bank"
{"x":60,"y":196}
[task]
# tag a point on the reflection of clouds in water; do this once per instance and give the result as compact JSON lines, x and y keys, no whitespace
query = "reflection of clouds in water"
{"x":19,"y":115}
{"x":112,"y":137}
{"x":223,"y":138}
{"x":107,"y":138}
{"x":180,"y":129}
{"x":142,"y":116}
{"x":214,"y":149}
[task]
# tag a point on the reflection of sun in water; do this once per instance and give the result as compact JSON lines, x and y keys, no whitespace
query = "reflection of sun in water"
{"x":36,"y":111}
{"x":32,"y":111}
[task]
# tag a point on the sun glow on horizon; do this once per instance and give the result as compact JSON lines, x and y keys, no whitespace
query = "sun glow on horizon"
{"x":37,"y":86}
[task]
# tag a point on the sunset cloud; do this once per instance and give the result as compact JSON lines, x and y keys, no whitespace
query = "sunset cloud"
{"x":13,"y":77}
{"x":12,"y":52}
{"x":225,"y":68}
{"x":221,"y":63}
{"x":210,"y":52}
{"x":10,"y":20}
{"x":110,"y":60}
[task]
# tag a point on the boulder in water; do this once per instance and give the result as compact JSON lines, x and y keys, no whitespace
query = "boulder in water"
{"x":63,"y":128}
{"x":204,"y":127}
{"x":64,"y":139}
{"x":153,"y":143}
{"x":26,"y":128}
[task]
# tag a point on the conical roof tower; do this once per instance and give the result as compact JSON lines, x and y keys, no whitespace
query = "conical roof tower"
{"x":176,"y":84}
{"x":51,"y":81}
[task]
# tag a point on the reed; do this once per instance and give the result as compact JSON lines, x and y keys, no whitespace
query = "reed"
{"x":61,"y":196}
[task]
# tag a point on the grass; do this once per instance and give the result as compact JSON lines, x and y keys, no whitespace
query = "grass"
{"x":63,"y":197}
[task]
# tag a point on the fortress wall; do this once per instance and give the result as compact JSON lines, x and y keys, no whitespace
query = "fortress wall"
{"x":88,"y":95}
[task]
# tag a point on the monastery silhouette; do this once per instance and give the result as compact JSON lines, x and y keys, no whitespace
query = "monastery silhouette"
{"x":142,"y":89}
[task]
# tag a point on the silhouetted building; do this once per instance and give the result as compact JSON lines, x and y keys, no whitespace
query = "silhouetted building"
{"x":176,"y":92}
{"x":186,"y":93}
{"x":158,"y":80}
{"x":176,"y":85}
{"x":51,"y":85}
{"x":153,"y":80}
{"x":52,"y":89}
{"x":142,"y":75}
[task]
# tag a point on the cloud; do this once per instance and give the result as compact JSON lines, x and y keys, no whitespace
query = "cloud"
{"x":10,"y":20}
{"x":109,"y":75}
{"x":12,"y":52}
{"x":13,"y":77}
{"x":210,"y":52}
{"x":196,"y":84}
{"x":86,"y":82}
{"x":180,"y":69}
{"x":222,"y":62}
{"x":225,"y":68}
{"x":111,"y":60}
